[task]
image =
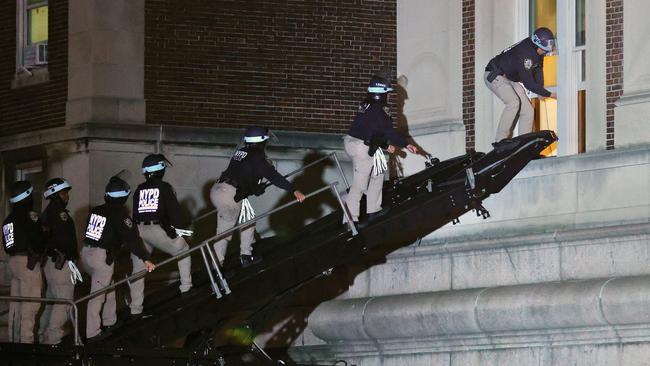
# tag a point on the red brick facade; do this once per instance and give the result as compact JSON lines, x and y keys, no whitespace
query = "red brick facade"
{"x":614,"y":62}
{"x":38,"y":106}
{"x":468,"y":61}
{"x":288,"y":64}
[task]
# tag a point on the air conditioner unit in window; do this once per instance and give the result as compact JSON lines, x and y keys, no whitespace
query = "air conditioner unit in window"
{"x":35,"y":54}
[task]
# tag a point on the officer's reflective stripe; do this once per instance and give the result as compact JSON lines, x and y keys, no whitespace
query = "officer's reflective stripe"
{"x":21,"y":196}
{"x":8,"y":233}
{"x":118,"y":194}
{"x":255,"y":139}
{"x":95,"y":227}
{"x":150,"y":169}
{"x":148,"y":200}
{"x":376,"y":89}
{"x":56,"y":188}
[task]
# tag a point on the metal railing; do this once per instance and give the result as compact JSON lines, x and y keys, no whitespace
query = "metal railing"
{"x":207,"y":251}
{"x":72,"y":303}
{"x":331,"y":155}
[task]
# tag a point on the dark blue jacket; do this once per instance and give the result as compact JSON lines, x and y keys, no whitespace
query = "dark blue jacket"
{"x":370,"y":119}
{"x":521,"y":63}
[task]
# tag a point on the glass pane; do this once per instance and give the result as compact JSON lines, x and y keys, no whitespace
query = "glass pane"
{"x":582,"y":122}
{"x":546,"y":119}
{"x":580,"y":23}
{"x":583,"y":65}
{"x":37,"y":24}
{"x":543,"y":13}
{"x":550,"y":71}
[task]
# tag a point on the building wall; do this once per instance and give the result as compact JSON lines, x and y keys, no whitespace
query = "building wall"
{"x":292,"y":65}
{"x":42,"y":105}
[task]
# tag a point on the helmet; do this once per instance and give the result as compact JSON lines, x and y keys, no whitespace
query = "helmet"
{"x":154,"y":163}
{"x":117,"y":187}
{"x":379,"y":85}
{"x":255,"y":134}
{"x":544,"y":39}
{"x":55,"y":185}
{"x":20,"y":190}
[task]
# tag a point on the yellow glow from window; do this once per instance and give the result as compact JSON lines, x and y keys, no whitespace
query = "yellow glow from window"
{"x":37,"y":23}
{"x":548,"y":121}
{"x":550,"y":71}
{"x":546,"y":14}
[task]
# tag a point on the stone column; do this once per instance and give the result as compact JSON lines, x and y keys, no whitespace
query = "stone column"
{"x":105,"y":61}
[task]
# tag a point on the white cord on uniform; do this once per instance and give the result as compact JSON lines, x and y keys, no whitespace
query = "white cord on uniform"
{"x":379,"y":165}
{"x":247,"y":212}
{"x":75,"y":275}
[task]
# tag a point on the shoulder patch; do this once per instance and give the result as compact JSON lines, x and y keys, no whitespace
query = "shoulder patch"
{"x":239,"y":155}
{"x":64,"y":216}
{"x":528,"y":63}
{"x":128,"y":222}
{"x":33,"y":216}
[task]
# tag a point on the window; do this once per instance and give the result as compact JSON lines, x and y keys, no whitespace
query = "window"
{"x":565,"y":71}
{"x":32,"y":27}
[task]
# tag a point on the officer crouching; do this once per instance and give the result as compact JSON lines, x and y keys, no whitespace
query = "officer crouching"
{"x":61,"y":248}
{"x":158,"y":215}
{"x":241,"y":179}
{"x":22,"y":237}
{"x":109,"y":227}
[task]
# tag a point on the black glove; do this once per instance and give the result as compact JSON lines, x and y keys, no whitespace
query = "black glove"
{"x":59,"y":259}
{"x":110,"y":258}
{"x":33,"y":259}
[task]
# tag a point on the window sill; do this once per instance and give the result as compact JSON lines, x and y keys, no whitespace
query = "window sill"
{"x":35,"y":76}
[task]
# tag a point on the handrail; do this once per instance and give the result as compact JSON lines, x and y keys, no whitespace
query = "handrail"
{"x":304,"y":167}
{"x":72,"y":303}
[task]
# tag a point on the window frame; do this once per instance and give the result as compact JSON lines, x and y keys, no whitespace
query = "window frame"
{"x":22,"y":34}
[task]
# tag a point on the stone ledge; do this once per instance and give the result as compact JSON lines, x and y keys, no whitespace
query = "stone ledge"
{"x":572,"y":312}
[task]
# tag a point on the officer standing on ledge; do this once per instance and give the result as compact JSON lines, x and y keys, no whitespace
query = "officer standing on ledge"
{"x":23,"y":239}
{"x":371,"y":131}
{"x":61,"y":248}
{"x":243,"y":178}
{"x":157,"y":213}
{"x":108,"y":228}
{"x":522,"y":62}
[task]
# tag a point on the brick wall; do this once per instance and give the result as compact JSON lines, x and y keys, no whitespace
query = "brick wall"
{"x":42,"y":105}
{"x":614,"y":62}
{"x":287,"y":64}
{"x":468,"y":60}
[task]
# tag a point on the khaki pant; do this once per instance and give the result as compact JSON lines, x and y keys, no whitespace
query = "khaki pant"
{"x":137,"y":287}
{"x":364,"y":180}
{"x":22,"y":315}
{"x":518,"y":106}
{"x":155,"y":237}
{"x":55,"y":316}
{"x":222,"y":196}
{"x":94,"y":261}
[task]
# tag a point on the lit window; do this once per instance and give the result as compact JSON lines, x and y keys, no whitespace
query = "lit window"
{"x":32,"y":33}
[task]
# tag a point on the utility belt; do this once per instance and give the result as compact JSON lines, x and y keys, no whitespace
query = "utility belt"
{"x":494,"y":71}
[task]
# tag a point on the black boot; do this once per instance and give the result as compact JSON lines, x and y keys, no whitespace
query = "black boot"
{"x":248,"y":260}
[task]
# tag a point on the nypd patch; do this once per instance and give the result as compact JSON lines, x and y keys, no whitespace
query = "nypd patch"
{"x":64,"y":216}
{"x":128,"y":222}
{"x":33,"y":216}
{"x":528,"y":64}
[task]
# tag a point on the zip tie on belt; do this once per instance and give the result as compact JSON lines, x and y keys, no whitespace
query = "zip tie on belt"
{"x":247,"y":212}
{"x":75,"y":275}
{"x":379,"y":165}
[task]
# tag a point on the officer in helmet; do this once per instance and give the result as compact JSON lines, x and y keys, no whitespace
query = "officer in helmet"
{"x":522,"y":62}
{"x":157,"y":213}
{"x":61,"y":249}
{"x":23,"y":241}
{"x":109,"y":227}
{"x":371,"y":131}
{"x":243,"y":177}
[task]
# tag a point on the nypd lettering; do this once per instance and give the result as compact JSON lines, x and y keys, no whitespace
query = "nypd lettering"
{"x":528,"y":64}
{"x":148,"y":200}
{"x":8,"y":233}
{"x":239,"y":155}
{"x":95,"y":227}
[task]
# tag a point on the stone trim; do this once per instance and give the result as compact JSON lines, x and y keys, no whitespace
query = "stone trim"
{"x":614,"y":64}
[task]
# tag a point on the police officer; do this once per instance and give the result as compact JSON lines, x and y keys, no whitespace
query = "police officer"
{"x":522,"y":62}
{"x":243,"y":178}
{"x":61,"y":247}
{"x":23,"y":239}
{"x":157,"y":213}
{"x":108,"y":228}
{"x":371,"y":130}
